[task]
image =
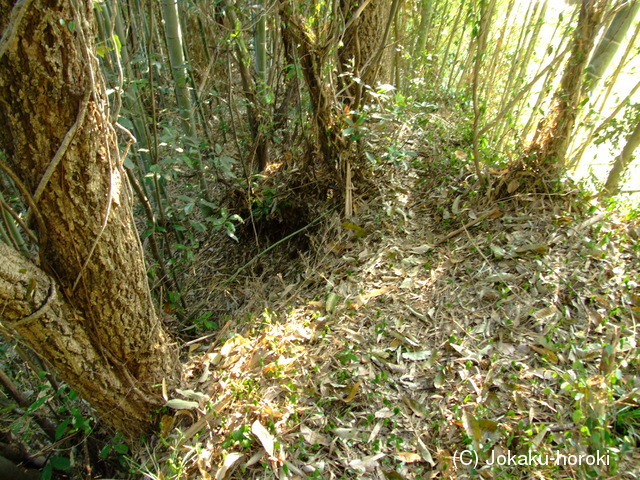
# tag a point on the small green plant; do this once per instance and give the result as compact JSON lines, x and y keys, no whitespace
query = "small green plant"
{"x":240,"y":437}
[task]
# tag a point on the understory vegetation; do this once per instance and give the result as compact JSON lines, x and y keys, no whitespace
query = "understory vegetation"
{"x":382,"y":240}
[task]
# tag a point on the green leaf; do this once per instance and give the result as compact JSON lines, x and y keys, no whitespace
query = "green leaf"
{"x":121,"y":448}
{"x":101,"y":50}
{"x":198,"y":226}
{"x":60,"y":463}
{"x":71,"y":26}
{"x":128,"y":163}
{"x":577,"y":416}
{"x":37,"y":404}
{"x":332,"y":302}
{"x":269,"y":98}
{"x":208,"y":204}
{"x":104,"y":453}
{"x":116,"y":40}
{"x":62,"y":428}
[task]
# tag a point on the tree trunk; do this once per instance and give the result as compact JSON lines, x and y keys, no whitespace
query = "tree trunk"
{"x":178,"y":63}
{"x":426,"y":11}
{"x":609,"y":44}
{"x":91,"y":314}
{"x":622,"y":161}
{"x":173,"y":34}
{"x":330,"y":140}
{"x":366,"y":29}
{"x":252,"y":92}
{"x":549,"y":146}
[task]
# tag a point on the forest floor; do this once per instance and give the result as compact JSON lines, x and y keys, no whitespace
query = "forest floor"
{"x":437,"y":334}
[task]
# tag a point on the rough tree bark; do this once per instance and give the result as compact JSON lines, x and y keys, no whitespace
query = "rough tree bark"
{"x":549,"y":145}
{"x":367,"y":26}
{"x":311,"y":59}
{"x":86,"y":308}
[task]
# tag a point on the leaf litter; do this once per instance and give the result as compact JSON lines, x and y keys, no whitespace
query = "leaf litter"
{"x":450,"y":326}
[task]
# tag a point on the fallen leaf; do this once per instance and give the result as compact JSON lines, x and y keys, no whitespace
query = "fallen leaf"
{"x":345,"y":433}
{"x":422,"y":249}
{"x":540,"y":248}
{"x":498,"y":252}
{"x":357,"y":229}
{"x":417,"y":356}
{"x":495,"y":213}
{"x":545,"y":313}
{"x":332,"y":302}
{"x":409,"y":457}
{"x":455,"y":208}
{"x":393,"y":475}
{"x":366,"y":464}
{"x":415,"y":406}
{"x":230,"y":462}
{"x":352,"y":392}
{"x":266,"y":439}
{"x":424,"y":451}
{"x":549,"y":354}
{"x":313,"y":438}
{"x":166,"y":423}
{"x":180,"y":404}
{"x":500,"y":277}
{"x":384,"y":413}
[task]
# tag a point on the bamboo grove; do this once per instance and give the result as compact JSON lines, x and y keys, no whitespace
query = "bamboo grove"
{"x":224,"y":88}
{"x":232,"y":98}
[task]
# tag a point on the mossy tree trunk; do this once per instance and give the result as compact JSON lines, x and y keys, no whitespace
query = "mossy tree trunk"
{"x":86,"y":308}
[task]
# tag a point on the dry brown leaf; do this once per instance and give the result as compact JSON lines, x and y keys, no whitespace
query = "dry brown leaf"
{"x":471,"y":426}
{"x":540,"y":248}
{"x":375,"y":431}
{"x":455,"y":208}
{"x":545,"y":313}
{"x":424,"y":451}
{"x":266,"y":439}
{"x":166,"y":424}
{"x":231,"y":344}
{"x":231,"y":461}
{"x":416,"y":407}
{"x":366,"y":464}
{"x":313,"y":438}
{"x":549,"y":354}
{"x":409,"y":457}
{"x":353,"y":391}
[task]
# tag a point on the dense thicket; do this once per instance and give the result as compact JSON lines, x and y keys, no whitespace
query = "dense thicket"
{"x":252,"y":120}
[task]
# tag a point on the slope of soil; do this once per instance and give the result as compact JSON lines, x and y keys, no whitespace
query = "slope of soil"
{"x":435,"y":335}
